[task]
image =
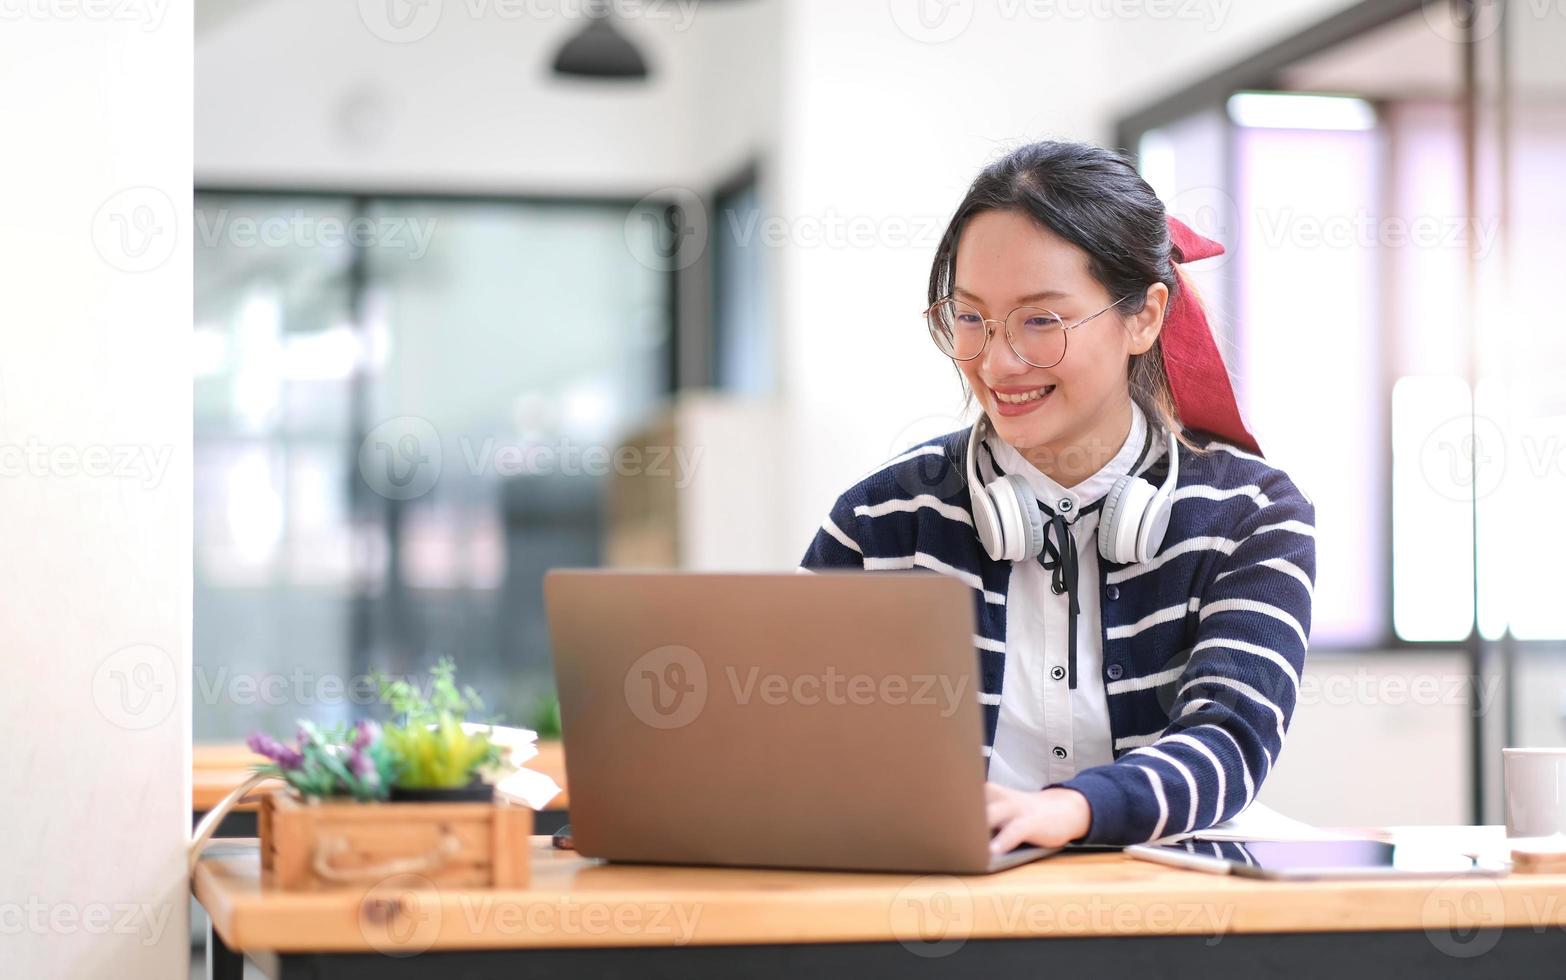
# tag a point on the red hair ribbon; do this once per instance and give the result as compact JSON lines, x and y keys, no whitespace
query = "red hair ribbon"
{"x":1203,"y":396}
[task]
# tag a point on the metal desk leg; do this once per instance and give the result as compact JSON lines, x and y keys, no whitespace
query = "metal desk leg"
{"x":222,"y":963}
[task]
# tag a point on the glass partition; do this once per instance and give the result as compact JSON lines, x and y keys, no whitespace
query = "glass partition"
{"x":406,"y":411}
{"x":1389,"y":185}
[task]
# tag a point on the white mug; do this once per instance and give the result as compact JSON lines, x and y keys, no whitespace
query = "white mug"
{"x":1535,"y":782}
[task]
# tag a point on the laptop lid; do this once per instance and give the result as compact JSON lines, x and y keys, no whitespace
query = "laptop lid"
{"x":786,"y":720}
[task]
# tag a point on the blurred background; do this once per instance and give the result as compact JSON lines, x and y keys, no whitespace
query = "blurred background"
{"x":485,"y":287}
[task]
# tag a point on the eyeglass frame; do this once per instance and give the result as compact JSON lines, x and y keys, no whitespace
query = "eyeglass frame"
{"x":989,"y":331}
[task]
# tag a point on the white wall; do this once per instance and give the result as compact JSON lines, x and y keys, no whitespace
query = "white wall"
{"x":1380,"y":739}
{"x":724,"y":517}
{"x":95,"y":585}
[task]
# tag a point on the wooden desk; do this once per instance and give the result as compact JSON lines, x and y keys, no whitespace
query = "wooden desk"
{"x":216,"y":768}
{"x":1100,"y":911}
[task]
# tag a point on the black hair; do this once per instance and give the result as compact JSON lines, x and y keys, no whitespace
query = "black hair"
{"x":1093,"y":198}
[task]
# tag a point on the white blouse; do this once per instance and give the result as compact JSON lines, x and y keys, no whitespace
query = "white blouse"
{"x":1047,"y":731}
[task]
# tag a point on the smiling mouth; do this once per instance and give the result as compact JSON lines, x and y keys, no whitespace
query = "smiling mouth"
{"x":1023,"y":397}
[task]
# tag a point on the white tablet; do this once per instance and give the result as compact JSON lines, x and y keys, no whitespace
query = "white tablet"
{"x":1312,"y":860}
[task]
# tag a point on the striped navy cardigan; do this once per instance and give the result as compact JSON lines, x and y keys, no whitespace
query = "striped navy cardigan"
{"x":1203,"y":643}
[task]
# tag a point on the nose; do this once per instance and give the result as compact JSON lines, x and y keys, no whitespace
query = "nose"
{"x":999,"y":360}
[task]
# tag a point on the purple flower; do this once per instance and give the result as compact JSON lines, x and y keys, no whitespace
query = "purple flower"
{"x":362,"y":765}
{"x":364,"y":733}
{"x":285,"y":757}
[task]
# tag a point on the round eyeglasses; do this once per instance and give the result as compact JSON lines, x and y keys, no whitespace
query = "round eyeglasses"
{"x":1036,"y":335}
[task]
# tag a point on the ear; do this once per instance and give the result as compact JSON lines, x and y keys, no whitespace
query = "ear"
{"x":1145,"y":326}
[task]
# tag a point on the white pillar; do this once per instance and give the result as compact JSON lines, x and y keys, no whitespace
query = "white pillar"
{"x":95,"y":488}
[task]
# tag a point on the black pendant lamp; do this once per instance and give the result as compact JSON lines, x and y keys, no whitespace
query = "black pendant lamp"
{"x":598,"y":50}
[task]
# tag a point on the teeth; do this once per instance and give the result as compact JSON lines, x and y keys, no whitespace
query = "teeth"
{"x":1025,"y":397}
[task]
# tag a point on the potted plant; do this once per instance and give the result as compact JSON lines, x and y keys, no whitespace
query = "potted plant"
{"x":341,"y":762}
{"x":441,"y":755}
{"x":409,"y":797}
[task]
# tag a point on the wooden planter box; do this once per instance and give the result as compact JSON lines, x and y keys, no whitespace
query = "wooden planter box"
{"x":315,"y":846}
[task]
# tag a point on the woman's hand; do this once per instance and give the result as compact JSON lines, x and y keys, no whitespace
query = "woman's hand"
{"x":1051,"y":817}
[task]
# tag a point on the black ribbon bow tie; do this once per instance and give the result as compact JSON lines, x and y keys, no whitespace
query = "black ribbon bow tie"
{"x":1060,"y":558}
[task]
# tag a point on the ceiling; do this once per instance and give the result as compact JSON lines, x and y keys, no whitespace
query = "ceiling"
{"x":1405,"y":59}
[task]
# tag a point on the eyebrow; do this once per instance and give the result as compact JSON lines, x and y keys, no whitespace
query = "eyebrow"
{"x":1024,"y":300}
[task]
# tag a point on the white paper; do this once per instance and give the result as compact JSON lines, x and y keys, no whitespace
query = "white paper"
{"x":520,"y":743}
{"x":528,"y":787}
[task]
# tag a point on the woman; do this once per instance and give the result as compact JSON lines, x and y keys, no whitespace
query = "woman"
{"x":1142,"y":577}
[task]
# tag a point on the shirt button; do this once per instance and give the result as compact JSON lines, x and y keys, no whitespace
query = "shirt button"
{"x":1112,"y":592}
{"x":1115,"y":672}
{"x":1057,"y":672}
{"x":1060,"y":753}
{"x":1065,"y":504}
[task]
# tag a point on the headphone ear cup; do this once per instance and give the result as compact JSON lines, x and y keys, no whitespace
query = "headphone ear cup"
{"x":1124,"y":508}
{"x":1013,"y":525}
{"x":1160,"y":508}
{"x":1032,"y":522}
{"x":1154,"y":526}
{"x":986,"y":522}
{"x":1108,"y":521}
{"x":1005,"y":517}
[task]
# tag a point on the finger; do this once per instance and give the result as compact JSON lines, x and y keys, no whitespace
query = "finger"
{"x":995,"y":791}
{"x":1000,"y":811}
{"x":1014,"y":833}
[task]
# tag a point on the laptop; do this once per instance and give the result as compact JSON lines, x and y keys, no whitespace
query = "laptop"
{"x":773,"y":720}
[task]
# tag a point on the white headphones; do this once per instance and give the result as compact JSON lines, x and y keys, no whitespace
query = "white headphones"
{"x":1132,"y":526}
